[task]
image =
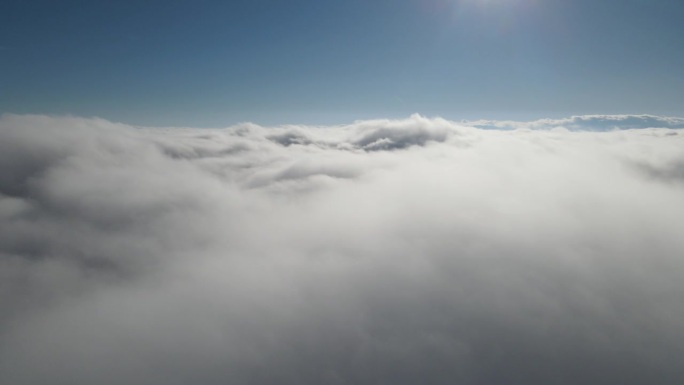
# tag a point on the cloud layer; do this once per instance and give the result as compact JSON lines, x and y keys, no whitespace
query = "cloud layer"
{"x":586,"y":123}
{"x":387,"y":251}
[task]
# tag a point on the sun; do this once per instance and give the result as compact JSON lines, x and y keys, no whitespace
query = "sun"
{"x":493,"y":3}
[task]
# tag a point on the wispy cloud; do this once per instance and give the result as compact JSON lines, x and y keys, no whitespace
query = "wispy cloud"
{"x":586,"y":123}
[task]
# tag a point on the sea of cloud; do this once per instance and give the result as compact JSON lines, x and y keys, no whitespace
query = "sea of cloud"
{"x":414,"y":251}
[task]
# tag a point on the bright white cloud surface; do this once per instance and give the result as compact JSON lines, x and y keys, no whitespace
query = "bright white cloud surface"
{"x":387,"y":251}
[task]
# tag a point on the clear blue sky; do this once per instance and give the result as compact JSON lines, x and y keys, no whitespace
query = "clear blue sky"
{"x":214,"y":63}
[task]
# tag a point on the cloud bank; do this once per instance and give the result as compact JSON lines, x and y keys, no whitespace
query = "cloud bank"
{"x":586,"y":123}
{"x":387,"y":251}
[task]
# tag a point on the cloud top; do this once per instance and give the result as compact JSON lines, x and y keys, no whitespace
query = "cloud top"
{"x":587,"y":123}
{"x":386,"y":251}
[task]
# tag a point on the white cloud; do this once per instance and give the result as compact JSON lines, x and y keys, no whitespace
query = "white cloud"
{"x":586,"y":122}
{"x":386,"y":251}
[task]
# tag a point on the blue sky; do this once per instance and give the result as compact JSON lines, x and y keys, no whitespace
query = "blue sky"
{"x":215,"y":63}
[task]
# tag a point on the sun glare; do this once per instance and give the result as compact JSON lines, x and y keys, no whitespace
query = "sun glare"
{"x":493,"y":3}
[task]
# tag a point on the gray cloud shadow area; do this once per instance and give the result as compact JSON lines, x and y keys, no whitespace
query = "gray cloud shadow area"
{"x":386,"y":251}
{"x":673,"y":172}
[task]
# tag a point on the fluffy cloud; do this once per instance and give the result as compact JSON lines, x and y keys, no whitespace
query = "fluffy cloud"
{"x":407,"y":251}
